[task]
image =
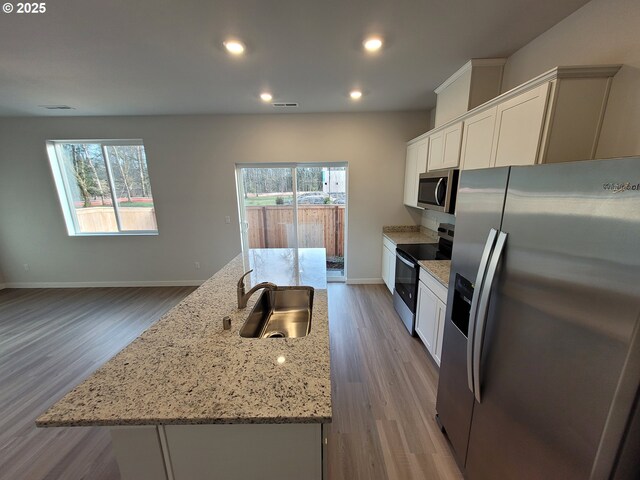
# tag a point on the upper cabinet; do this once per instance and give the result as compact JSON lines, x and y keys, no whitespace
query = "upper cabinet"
{"x":556,"y":117}
{"x":477,"y":139}
{"x":476,"y":82}
{"x":416,"y":163}
{"x":519,"y":123}
{"x":444,"y":148}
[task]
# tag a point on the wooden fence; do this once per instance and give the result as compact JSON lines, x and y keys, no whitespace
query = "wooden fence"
{"x":100,"y":219}
{"x":318,"y":226}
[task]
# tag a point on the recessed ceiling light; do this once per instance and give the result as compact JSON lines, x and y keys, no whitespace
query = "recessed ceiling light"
{"x":372,"y":44}
{"x":266,"y":96}
{"x":355,"y":94}
{"x":234,"y":47}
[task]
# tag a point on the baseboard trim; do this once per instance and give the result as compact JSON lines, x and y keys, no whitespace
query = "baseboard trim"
{"x":152,"y":283}
{"x":364,"y":281}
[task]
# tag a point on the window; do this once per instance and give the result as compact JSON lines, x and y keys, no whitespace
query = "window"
{"x":103,"y":186}
{"x":294,"y":205}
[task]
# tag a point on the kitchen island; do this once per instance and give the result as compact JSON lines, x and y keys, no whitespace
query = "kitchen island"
{"x":189,"y":400}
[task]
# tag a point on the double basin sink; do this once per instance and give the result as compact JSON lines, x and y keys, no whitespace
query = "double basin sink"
{"x":282,"y":312}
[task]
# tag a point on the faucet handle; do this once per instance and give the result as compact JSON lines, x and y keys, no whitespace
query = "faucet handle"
{"x":241,"y":281}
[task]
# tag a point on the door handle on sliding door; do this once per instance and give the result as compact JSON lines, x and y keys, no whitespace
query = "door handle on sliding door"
{"x":488,"y":247}
{"x":483,"y":309}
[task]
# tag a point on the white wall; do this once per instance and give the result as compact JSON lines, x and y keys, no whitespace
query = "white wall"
{"x":601,"y":32}
{"x":191,"y":165}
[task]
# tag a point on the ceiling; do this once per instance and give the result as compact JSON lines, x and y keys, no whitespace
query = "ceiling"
{"x":151,"y":57}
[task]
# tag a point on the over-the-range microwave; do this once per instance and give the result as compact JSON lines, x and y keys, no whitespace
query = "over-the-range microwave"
{"x":437,"y":190}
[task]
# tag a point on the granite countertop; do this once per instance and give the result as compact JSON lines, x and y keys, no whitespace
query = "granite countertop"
{"x":185,"y":369}
{"x":439,"y":269}
{"x":399,"y":234}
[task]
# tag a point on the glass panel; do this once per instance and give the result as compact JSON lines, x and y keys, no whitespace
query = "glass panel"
{"x":321,"y":195}
{"x":268,"y":204}
{"x":87,"y":185}
{"x":130,"y":175}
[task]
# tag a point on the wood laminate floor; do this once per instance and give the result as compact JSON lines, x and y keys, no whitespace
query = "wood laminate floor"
{"x":384,"y":383}
{"x":384,"y":391}
{"x":50,"y":339}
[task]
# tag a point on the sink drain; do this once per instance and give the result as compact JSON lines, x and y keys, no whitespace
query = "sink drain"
{"x":275,"y":335}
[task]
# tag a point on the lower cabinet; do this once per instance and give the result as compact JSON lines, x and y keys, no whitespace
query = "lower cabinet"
{"x":430,"y":314}
{"x":231,"y":452}
{"x":388,"y":263}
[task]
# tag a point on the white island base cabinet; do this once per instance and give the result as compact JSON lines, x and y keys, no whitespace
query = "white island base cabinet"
{"x":231,"y":452}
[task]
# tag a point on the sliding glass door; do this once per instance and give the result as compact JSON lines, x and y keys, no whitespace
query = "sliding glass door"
{"x":295,"y":205}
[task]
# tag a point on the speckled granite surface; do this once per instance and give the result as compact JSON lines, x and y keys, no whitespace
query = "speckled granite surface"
{"x":185,"y":369}
{"x":417,"y":235}
{"x":439,"y":269}
{"x":400,"y":228}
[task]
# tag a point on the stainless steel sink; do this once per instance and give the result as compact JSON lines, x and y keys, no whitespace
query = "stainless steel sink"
{"x":284,"y":312}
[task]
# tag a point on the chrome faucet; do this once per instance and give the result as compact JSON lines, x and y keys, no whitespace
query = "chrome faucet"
{"x":244,"y":297}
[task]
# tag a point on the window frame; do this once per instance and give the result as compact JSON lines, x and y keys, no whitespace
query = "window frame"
{"x":64,"y":190}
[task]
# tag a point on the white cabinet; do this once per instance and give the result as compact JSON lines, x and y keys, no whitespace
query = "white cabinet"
{"x":427,"y":316}
{"x":555,"y":117}
{"x":430,"y":313}
{"x":477,"y":140}
{"x":436,"y":150}
{"x":416,"y":163}
{"x":442,"y":310}
{"x":233,"y":452}
{"x":388,"y":263}
{"x":444,"y":148}
{"x":477,"y":82}
{"x":245,"y":451}
{"x":451,"y":153}
{"x":410,"y":188}
{"x":519,"y":124}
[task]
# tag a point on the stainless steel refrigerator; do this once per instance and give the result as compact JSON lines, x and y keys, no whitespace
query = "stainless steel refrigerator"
{"x":540,"y":367}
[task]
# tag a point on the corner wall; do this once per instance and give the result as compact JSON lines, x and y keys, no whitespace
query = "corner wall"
{"x":192,"y":166}
{"x":601,"y":32}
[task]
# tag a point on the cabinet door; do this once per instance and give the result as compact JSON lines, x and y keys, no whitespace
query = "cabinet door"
{"x":410,"y":180}
{"x":427,"y":316}
{"x":477,"y":140}
{"x":421,"y":159}
{"x":442,"y":309}
{"x":436,"y":150}
{"x":392,"y":270}
{"x":451,"y":152}
{"x":519,"y":124}
{"x":389,"y":268}
{"x":385,"y":265}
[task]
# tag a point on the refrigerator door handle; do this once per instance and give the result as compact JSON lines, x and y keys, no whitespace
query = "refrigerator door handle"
{"x":482,"y":269}
{"x":483,"y":308}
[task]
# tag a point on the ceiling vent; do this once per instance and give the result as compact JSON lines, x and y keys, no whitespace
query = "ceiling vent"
{"x":57,"y":107}
{"x":285,"y":105}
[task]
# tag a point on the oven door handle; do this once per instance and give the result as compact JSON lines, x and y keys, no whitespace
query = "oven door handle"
{"x":405,"y":260}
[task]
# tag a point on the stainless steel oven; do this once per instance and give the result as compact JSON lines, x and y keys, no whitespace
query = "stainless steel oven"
{"x":437,"y":190}
{"x":406,"y":289}
{"x":407,"y":269}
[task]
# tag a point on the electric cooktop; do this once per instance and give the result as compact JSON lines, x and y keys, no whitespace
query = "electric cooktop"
{"x":424,"y":251}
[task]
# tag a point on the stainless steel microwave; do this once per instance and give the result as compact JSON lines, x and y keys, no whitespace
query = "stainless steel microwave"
{"x":437,"y":190}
